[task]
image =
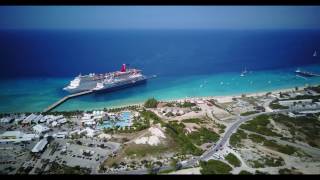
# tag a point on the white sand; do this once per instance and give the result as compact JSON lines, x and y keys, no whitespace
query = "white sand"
{"x":157,"y":132}
{"x":221,"y":99}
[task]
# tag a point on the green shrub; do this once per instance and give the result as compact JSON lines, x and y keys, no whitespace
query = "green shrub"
{"x":233,"y":160}
{"x":276,"y":105}
{"x":184,"y":144}
{"x":259,"y":125}
{"x":257,"y":138}
{"x":193,"y":120}
{"x":151,"y":103}
{"x":236,"y":138}
{"x":203,"y":136}
{"x":243,"y":172}
{"x":186,"y":104}
{"x":214,"y":167}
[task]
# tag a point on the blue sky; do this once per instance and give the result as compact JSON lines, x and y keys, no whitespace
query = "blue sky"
{"x":159,"y":17}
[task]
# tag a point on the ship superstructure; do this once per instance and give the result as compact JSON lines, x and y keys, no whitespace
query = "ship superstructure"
{"x":106,"y":82}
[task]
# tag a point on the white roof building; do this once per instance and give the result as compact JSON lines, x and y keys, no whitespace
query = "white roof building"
{"x":29,"y":119}
{"x":6,"y":120}
{"x":74,"y":132}
{"x":16,"y":136}
{"x":89,"y":132}
{"x":12,"y":134}
{"x":89,"y":123}
{"x":60,"y":135}
{"x":58,"y":117}
{"x":40,"y":146}
{"x":291,"y":102}
{"x":40,"y":129}
{"x":38,"y":118}
{"x":54,"y":123}
{"x":62,"y":121}
{"x":44,"y":118}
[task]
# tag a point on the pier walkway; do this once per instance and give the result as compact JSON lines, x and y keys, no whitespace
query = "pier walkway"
{"x":56,"y":104}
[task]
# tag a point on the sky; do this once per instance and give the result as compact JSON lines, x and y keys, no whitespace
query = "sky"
{"x":160,"y":17}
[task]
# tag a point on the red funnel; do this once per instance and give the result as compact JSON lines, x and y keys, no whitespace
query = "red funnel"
{"x":123,"y":68}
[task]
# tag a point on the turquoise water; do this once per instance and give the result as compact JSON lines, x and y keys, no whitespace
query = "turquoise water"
{"x":188,"y":63}
{"x":35,"y":94}
{"x":124,"y":120}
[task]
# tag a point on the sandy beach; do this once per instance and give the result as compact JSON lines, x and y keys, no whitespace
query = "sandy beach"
{"x":223,"y":99}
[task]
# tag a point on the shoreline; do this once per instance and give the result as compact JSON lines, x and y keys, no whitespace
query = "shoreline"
{"x":221,"y":99}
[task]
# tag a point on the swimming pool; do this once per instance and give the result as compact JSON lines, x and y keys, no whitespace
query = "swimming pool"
{"x":124,"y":120}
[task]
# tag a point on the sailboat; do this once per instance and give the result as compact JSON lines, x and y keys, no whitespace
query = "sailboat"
{"x":315,"y":53}
{"x":243,"y":73}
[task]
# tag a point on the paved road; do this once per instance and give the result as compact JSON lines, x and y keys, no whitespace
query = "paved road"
{"x":221,"y":143}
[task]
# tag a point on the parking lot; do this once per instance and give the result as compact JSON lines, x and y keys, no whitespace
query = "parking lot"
{"x":13,"y":156}
{"x":88,"y":153}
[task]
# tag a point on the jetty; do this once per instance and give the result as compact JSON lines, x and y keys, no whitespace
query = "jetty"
{"x":56,"y":104}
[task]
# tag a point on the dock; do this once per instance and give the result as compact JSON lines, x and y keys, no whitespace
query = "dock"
{"x":56,"y":104}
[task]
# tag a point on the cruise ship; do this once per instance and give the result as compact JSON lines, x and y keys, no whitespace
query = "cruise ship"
{"x":110,"y":81}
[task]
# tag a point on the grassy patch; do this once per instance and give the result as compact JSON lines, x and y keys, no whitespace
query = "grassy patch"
{"x":193,"y":120}
{"x":56,"y":168}
{"x":260,"y":172}
{"x":259,"y":125}
{"x":203,"y":136}
{"x":149,"y":115}
{"x":288,"y":171}
{"x":248,"y":113}
{"x":267,"y":162}
{"x":151,"y":103}
{"x":235,"y":139}
{"x":167,"y":171}
{"x":222,"y":128}
{"x":243,"y":172}
{"x":286,"y":149}
{"x":257,"y":138}
{"x":186,"y":104}
{"x":214,"y":167}
{"x":233,"y":160}
{"x":302,"y":128}
{"x":276,"y":105}
{"x":142,"y":150}
{"x":184,"y":144}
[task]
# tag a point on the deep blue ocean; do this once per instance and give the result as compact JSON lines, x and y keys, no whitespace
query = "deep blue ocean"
{"x":37,"y":64}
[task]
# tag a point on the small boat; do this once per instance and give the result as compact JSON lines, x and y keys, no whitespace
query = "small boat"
{"x":243,"y":73}
{"x":315,"y":54}
{"x":306,"y":73}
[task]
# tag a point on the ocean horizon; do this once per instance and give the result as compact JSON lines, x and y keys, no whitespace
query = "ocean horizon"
{"x":36,"y":65}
